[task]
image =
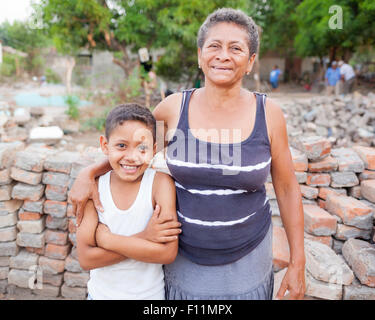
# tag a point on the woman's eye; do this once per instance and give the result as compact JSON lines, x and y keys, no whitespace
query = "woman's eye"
{"x":236,"y":48}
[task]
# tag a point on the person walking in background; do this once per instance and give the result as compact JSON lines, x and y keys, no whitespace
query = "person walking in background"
{"x":332,"y":78}
{"x":347,"y":76}
{"x":274,"y":77}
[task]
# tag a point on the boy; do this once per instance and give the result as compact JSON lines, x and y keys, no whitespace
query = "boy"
{"x":125,"y":252}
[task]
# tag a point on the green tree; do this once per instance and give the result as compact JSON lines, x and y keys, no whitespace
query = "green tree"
{"x":316,"y":38}
{"x":127,"y":25}
{"x":20,"y":36}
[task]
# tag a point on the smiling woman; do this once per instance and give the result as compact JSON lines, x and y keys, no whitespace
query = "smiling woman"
{"x":223,"y":59}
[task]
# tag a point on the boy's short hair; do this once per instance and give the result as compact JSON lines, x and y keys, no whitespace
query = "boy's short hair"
{"x":127,"y":112}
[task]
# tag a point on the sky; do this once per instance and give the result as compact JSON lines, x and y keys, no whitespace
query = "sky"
{"x":15,"y":9}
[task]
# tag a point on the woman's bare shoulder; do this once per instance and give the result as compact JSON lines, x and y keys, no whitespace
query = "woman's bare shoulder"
{"x":275,"y":118}
{"x":169,"y":107}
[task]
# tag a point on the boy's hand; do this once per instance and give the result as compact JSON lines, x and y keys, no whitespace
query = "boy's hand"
{"x":159,"y":230}
{"x":84,"y":188}
{"x":102,"y":232}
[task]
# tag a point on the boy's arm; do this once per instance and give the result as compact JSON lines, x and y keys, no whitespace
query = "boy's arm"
{"x":89,"y":255}
{"x":138,"y":248}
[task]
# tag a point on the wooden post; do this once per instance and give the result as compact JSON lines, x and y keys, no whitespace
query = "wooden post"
{"x":70,"y":63}
{"x":18,"y":71}
{"x":1,"y":53}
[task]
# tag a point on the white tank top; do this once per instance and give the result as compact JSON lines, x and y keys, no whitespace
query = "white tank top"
{"x":128,"y":279}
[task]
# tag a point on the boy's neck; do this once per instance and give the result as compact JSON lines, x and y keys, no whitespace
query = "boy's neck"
{"x":115,"y":179}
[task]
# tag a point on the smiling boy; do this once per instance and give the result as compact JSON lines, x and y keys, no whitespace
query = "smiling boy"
{"x":126,"y":250}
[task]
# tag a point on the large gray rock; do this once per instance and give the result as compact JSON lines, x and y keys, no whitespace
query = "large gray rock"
{"x":321,"y":289}
{"x":49,"y":135}
{"x":360,"y":255}
{"x":325,"y":265}
{"x":8,"y":249}
{"x":357,"y":291}
{"x":343,"y":179}
{"x":24,"y":260}
{"x":22,"y":278}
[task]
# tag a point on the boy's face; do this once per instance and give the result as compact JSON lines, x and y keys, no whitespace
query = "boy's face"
{"x":130,"y":148}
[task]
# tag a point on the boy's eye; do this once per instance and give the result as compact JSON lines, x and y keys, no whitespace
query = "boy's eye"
{"x":121,"y":145}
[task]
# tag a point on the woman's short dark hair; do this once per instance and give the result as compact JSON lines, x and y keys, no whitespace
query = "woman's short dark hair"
{"x":126,"y":112}
{"x":236,"y":17}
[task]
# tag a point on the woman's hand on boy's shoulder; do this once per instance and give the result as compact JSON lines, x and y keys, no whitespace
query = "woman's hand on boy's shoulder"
{"x":84,"y":188}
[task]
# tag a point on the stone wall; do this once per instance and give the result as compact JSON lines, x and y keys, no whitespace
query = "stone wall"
{"x":338,"y":195}
{"x":37,"y":228}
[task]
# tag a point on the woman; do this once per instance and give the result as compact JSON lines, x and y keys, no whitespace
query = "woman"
{"x":222,"y":143}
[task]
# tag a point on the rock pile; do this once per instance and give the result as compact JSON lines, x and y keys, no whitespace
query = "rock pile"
{"x":344,"y":120}
{"x":338,"y":189}
{"x":32,"y":125}
{"x":37,"y":228}
{"x":337,"y":181}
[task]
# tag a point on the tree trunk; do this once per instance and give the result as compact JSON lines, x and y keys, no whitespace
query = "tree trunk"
{"x":332,"y":53}
{"x":124,"y":63}
{"x":18,"y":70}
{"x":70,"y":63}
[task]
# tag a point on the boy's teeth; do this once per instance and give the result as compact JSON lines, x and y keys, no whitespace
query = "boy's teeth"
{"x":129,"y":167}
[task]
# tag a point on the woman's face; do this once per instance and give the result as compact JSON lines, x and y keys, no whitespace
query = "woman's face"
{"x":225,"y":55}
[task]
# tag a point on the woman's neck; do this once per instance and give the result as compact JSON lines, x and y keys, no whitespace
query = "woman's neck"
{"x":218,"y":97}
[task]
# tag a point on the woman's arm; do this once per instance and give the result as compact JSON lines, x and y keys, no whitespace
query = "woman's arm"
{"x":89,"y":255}
{"x":85,"y":187}
{"x":139,"y":248}
{"x":289,"y":199}
{"x":166,"y":114}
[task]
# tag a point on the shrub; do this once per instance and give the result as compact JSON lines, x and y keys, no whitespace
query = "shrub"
{"x":72,"y":102}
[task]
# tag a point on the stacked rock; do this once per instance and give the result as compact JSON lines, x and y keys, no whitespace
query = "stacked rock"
{"x":27,"y":171}
{"x":56,"y":178}
{"x":338,"y":204}
{"x":8,"y":212}
{"x":75,"y":278}
{"x":345,"y":120}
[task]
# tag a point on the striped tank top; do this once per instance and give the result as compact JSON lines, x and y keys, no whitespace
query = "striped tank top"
{"x":221,"y":197}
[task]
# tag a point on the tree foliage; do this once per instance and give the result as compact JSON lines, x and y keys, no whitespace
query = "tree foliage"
{"x":122,"y":25}
{"x":316,"y":38}
{"x":20,"y":36}
{"x":288,"y":26}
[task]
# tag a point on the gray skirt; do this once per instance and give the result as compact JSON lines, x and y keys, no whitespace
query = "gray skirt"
{"x":249,"y":278}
